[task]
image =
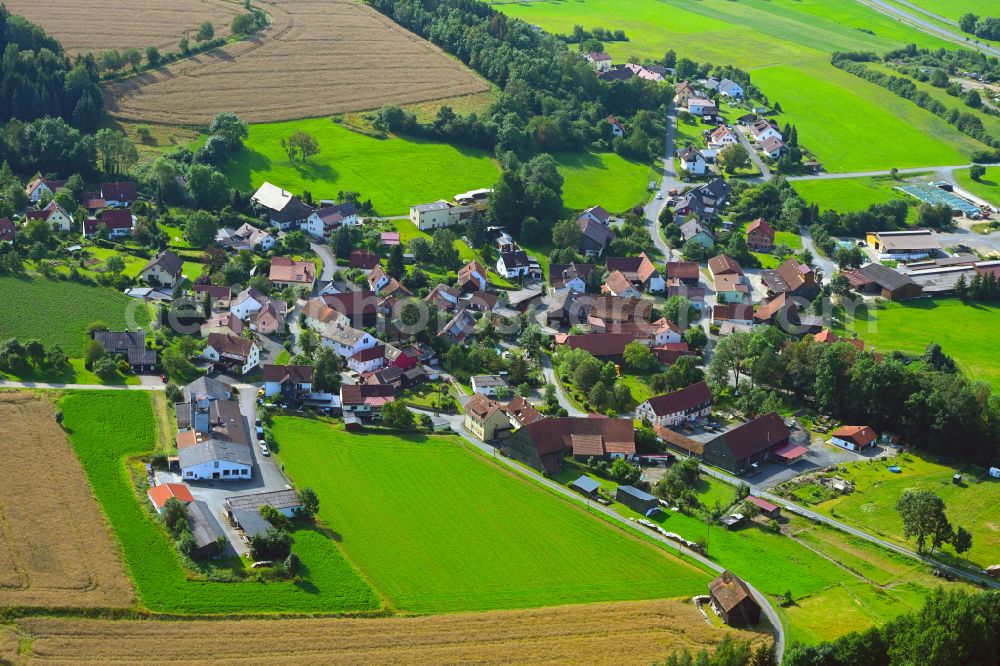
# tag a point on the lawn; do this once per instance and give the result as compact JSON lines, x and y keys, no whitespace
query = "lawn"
{"x":965,"y":332}
{"x":849,"y":194}
{"x":438,"y":528}
{"x":105,"y":428}
{"x":394,"y":173}
{"x":848,"y":123}
{"x":987,"y":187}
{"x":972,"y":505}
{"x":604,"y":179}
{"x":58,"y":312}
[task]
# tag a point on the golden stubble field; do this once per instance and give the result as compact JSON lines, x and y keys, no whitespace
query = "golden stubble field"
{"x":318,"y":57}
{"x":55,"y":549}
{"x":620,"y":633}
{"x":101,"y":25}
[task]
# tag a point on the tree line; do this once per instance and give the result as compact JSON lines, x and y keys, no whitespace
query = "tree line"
{"x":984,"y":27}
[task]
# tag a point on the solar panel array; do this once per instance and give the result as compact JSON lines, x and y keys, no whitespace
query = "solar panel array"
{"x":938,"y":197}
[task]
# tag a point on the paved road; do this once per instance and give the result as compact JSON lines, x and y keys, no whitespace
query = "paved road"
{"x":836,"y":524}
{"x":825,"y":264}
{"x":550,"y":378}
{"x":83,"y":387}
{"x":905,"y":16}
{"x":668,"y":181}
{"x":328,"y":260}
{"x":765,"y":602}
{"x":765,"y":173}
{"x":943,"y":170}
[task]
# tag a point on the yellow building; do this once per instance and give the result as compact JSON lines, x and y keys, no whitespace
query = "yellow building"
{"x":487,"y":419}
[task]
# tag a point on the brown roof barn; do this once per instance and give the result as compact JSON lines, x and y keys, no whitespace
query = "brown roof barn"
{"x":733,"y":600}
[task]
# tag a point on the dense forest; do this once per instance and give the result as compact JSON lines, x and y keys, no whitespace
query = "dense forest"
{"x":37,"y":79}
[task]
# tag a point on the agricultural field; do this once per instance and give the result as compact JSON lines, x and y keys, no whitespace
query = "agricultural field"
{"x":97,"y":25}
{"x":849,"y":194}
{"x":848,"y":123}
{"x":987,"y":187}
{"x":587,"y":177}
{"x":971,"y":505}
{"x":108,"y":427}
{"x":281,"y":74}
{"x":61,"y":311}
{"x":55,"y":550}
{"x":965,"y":332}
{"x":589,"y":634}
{"x":954,"y":9}
{"x":476,"y":537}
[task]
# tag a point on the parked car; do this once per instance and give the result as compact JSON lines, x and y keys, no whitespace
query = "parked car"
{"x":264,"y":450}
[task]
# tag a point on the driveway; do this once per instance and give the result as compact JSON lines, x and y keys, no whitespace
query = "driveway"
{"x":668,"y":181}
{"x":825,"y":264}
{"x":328,"y":259}
{"x":550,"y":378}
{"x":765,"y":173}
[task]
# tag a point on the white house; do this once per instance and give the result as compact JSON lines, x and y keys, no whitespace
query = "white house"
{"x":247,"y":302}
{"x":330,"y":218}
{"x":698,"y":106}
{"x":773,"y":148}
{"x":617,"y":129}
{"x":242,"y":353}
{"x":40,"y":187}
{"x":722,"y":137}
{"x":377,"y":279}
{"x":763,"y":130}
{"x":487,"y":384}
{"x":599,"y":60}
{"x":731,"y":89}
{"x":367,"y":360}
{"x":597,"y":214}
{"x":214,"y":459}
{"x":347,"y":341}
{"x":165,"y":270}
{"x":672,"y":409}
{"x":54,"y":214}
{"x":666,"y":332}
{"x":692,"y":161}
{"x":247,"y":237}
{"x":296,"y":379}
{"x":853,"y":438}
{"x":513,"y":264}
{"x":473,"y":277}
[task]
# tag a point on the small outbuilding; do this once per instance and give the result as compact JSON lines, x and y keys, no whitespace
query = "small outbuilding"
{"x":766,"y":508}
{"x":586,"y":486}
{"x":733,"y":601}
{"x":637,"y":500}
{"x":853,"y":437}
{"x":206,"y":530}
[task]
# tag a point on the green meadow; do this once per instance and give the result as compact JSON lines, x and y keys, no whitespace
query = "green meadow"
{"x":438,"y":528}
{"x":848,"y":194}
{"x":850,"y":124}
{"x":954,"y":9}
{"x":987,"y":187}
{"x":107,"y":428}
{"x":604,"y":179}
{"x":965,"y":332}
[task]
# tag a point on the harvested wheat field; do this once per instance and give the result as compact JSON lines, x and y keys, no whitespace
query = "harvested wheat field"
{"x":623,"y":633}
{"x":54,"y":546}
{"x":101,"y":25}
{"x":318,"y":57}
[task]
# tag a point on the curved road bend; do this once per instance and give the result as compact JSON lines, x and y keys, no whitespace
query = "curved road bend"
{"x":765,"y":603}
{"x":550,"y":378}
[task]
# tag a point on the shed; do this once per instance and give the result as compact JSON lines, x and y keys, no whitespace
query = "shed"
{"x":586,"y":486}
{"x":637,"y":500}
{"x":732,"y":520}
{"x":766,"y":508}
{"x":733,"y":601}
{"x":250,"y":521}
{"x":205,"y":529}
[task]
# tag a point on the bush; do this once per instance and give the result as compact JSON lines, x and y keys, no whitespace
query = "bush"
{"x":275,"y":517}
{"x":158,"y":461}
{"x":274,"y":544}
{"x":293,"y":565}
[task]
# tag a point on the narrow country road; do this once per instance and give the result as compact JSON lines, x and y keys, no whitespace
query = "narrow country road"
{"x":81,"y":387}
{"x":836,"y":524}
{"x":765,"y":173}
{"x":825,"y":264}
{"x":947,"y":169}
{"x":765,"y":602}
{"x":329,"y":262}
{"x":904,"y":16}
{"x":668,"y":181}
{"x":550,"y":378}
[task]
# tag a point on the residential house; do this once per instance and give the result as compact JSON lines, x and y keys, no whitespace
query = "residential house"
{"x":704,"y":108}
{"x":7,"y":230}
{"x":219,"y":298}
{"x":513,"y":265}
{"x":389,"y":376}
{"x":54,"y":214}
{"x":853,"y":437}
{"x":247,"y":302}
{"x":640,"y":271}
{"x":364,"y":260}
{"x":723,"y":264}
{"x":347,"y":341}
{"x":617,"y":129}
{"x":241,"y":354}
{"x":704,"y":201}
{"x":163,"y":270}
{"x":733,"y":601}
{"x":287,"y":272}
{"x":692,"y":161}
{"x":215,"y":459}
{"x":652,"y":73}
{"x":444,"y":297}
{"x":522,"y":412}
{"x":569,"y":276}
{"x":158,"y":495}
{"x":730,"y":89}
{"x":480,"y":301}
{"x":684,"y":92}
{"x":119,"y":223}
{"x":773,"y":147}
{"x":247,"y":237}
{"x":903,"y":245}
{"x":731,"y":289}
{"x":740,"y":314}
{"x":638,"y":500}
{"x":569,"y":308}
{"x":594,"y":236}
{"x":365,"y":400}
{"x":131,"y":344}
{"x":487,"y":419}
{"x":40,"y":188}
{"x":92,"y":201}
{"x":665,"y":332}
{"x":672,"y":409}
{"x":487,"y":384}
{"x":473,"y":277}
{"x":616,"y":73}
{"x":618,"y":285}
{"x":351,"y":308}
{"x":367,"y":360}
{"x":685,"y":272}
{"x":605,"y":346}
{"x":763,"y":129}
{"x":693,"y":230}
{"x":443,"y":213}
{"x":597,"y":214}
{"x":599,"y":60}
{"x":222,"y":322}
{"x":882,"y":280}
{"x":460,"y":327}
{"x":736,"y":450}
{"x":284,"y":210}
{"x":792,"y":279}
{"x":542,"y":444}
{"x":292,"y":382}
{"x":270,"y":319}
{"x":668,"y":354}
{"x":119,"y":194}
{"x":327,"y":219}
{"x":696,"y":295}
{"x":722,"y":137}
{"x":760,"y":236}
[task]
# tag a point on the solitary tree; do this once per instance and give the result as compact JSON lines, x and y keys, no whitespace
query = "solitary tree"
{"x":115,"y":264}
{"x":205,"y":32}
{"x":923,"y":517}
{"x":734,"y":157}
{"x":977,"y":171}
{"x":229,"y":126}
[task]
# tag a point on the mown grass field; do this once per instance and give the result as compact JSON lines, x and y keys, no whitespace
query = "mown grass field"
{"x":105,"y":428}
{"x":953,"y":9}
{"x":965,"y":332}
{"x":987,"y":187}
{"x":604,"y":179}
{"x":439,"y":529}
{"x":972,"y":505}
{"x":848,"y":123}
{"x":58,"y":312}
{"x":848,"y":194}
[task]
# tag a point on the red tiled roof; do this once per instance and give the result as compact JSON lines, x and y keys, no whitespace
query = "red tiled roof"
{"x":553,"y":435}
{"x":161,"y":493}
{"x":370,"y":394}
{"x":860,"y":435}
{"x":286,"y":269}
{"x":723,"y":264}
{"x":364,"y":260}
{"x":600,"y":344}
{"x":760,"y":226}
{"x":370,"y":354}
{"x":763,"y":504}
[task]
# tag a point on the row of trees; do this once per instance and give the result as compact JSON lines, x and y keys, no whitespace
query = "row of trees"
{"x":19,"y":358}
{"x":984,"y":27}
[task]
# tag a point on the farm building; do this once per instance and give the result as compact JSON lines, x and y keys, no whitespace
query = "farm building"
{"x":284,"y":210}
{"x":936,"y":196}
{"x":214,"y":459}
{"x":736,"y":450}
{"x":793,"y":279}
{"x":766,"y":508}
{"x":733,"y":601}
{"x":287,"y":501}
{"x":854,"y":438}
{"x":522,"y":412}
{"x":586,"y":486}
{"x":542,"y":444}
{"x":159,"y":495}
{"x":671,"y":409}
{"x":882,"y":280}
{"x":904,"y":245}
{"x":637,"y":500}
{"x":205,"y":529}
